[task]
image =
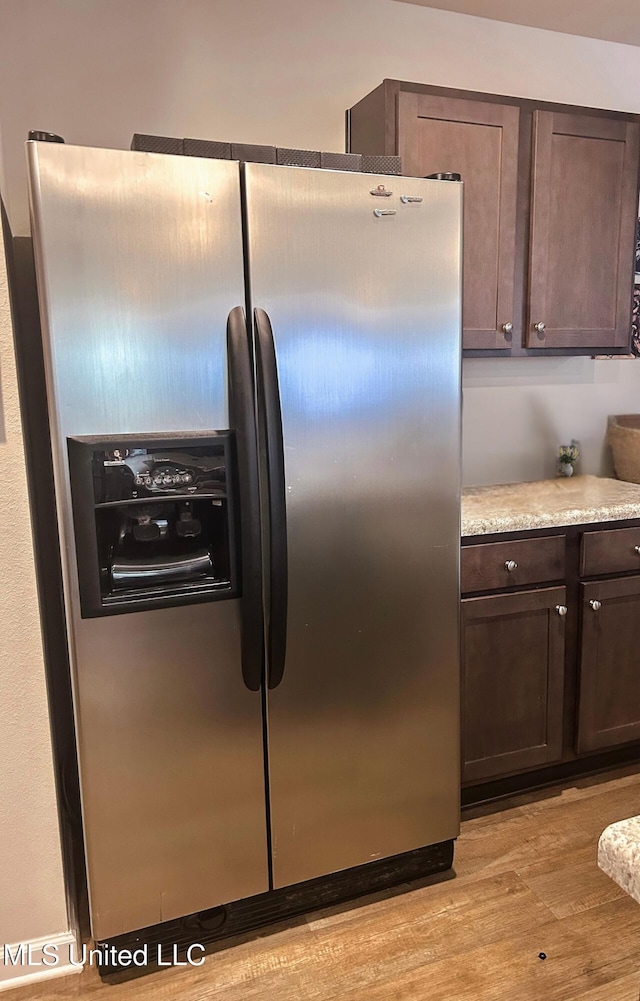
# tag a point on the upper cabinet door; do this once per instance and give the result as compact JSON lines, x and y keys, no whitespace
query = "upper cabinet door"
{"x":583,"y":217}
{"x":479,"y":141}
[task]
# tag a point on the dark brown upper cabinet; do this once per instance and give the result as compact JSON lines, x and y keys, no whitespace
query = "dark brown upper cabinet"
{"x":584,"y":207}
{"x":480,"y":142}
{"x":550,"y":210}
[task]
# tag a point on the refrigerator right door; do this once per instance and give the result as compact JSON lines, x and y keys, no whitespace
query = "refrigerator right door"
{"x":360,"y":287}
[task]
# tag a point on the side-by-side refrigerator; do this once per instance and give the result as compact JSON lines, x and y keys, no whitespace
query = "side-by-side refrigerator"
{"x":253,"y":378}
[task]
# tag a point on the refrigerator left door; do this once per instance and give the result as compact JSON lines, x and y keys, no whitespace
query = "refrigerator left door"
{"x":139,"y":262}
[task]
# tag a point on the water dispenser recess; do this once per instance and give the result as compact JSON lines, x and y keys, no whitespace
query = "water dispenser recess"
{"x":153,"y":520}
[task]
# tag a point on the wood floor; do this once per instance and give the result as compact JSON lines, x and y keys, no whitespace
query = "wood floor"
{"x":527,"y":883}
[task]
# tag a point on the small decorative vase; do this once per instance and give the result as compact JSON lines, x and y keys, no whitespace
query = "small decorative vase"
{"x":567,"y":456}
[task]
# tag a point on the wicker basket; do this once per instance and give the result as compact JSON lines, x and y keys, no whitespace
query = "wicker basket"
{"x":624,"y":437}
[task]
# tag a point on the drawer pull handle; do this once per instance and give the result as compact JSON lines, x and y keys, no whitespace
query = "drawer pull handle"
{"x":561,"y":610}
{"x":595,"y":604}
{"x":511,"y":565}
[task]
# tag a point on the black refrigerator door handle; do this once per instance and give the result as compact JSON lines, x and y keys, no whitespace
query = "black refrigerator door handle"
{"x":242,"y":420}
{"x":271,"y":414}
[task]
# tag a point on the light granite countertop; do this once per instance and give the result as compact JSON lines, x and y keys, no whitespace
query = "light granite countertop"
{"x":518,"y":507}
{"x":619,"y":855}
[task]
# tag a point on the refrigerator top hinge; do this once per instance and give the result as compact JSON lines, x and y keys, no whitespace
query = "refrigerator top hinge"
{"x":447,"y":176}
{"x":45,"y":137}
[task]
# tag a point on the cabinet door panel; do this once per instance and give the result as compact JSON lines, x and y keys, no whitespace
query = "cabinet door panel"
{"x":479,"y":141}
{"x":609,"y":704}
{"x":583,"y":217}
{"x":512,"y":682}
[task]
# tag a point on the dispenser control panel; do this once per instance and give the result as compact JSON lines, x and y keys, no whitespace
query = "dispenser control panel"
{"x":127,"y":474}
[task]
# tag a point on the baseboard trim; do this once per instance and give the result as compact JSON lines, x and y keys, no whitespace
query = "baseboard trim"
{"x":30,"y":967}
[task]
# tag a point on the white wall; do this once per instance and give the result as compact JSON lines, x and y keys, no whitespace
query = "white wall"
{"x":283,"y":72}
{"x":32,"y":894}
{"x":517,"y":411}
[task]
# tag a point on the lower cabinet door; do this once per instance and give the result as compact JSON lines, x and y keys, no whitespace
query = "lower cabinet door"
{"x":609,"y":700}
{"x":512,"y":681}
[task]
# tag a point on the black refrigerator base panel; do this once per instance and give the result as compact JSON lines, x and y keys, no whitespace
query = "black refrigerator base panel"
{"x":173,"y":938}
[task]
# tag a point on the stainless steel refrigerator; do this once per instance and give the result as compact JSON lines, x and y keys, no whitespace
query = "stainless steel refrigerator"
{"x":259,"y":520}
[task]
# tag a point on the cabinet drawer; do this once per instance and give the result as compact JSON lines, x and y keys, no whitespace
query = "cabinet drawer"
{"x":486,"y":567}
{"x":615,"y":551}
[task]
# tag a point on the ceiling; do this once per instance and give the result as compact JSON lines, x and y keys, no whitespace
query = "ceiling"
{"x":613,"y":20}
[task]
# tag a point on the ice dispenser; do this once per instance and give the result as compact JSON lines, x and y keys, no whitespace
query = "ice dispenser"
{"x":153,"y":520}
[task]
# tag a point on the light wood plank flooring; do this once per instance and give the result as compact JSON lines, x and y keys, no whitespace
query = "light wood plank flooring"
{"x":527,"y":882}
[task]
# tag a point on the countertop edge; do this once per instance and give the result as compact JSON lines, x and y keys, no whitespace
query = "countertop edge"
{"x":547,"y":504}
{"x":470,"y":529}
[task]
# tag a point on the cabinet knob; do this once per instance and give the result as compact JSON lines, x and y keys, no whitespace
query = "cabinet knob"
{"x":595,"y":604}
{"x":508,"y":328}
{"x":511,"y":565}
{"x":540,"y":327}
{"x":637,"y":549}
{"x":561,"y":610}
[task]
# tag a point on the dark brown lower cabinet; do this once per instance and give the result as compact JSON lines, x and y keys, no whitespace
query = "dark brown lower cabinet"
{"x":609,"y":699}
{"x":512,"y":681}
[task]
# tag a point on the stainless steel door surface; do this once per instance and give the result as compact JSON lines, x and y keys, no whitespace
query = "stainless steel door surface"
{"x":139,"y":261}
{"x":365,"y":310}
